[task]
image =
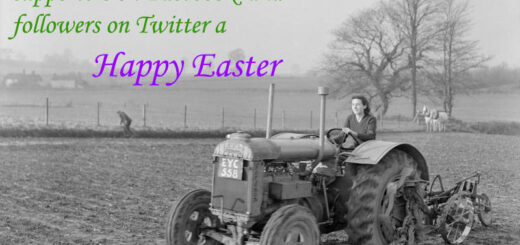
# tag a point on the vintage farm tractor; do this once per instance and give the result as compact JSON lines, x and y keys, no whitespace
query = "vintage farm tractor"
{"x":264,"y":191}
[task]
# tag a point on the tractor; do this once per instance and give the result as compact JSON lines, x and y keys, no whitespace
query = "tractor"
{"x":265,"y":191}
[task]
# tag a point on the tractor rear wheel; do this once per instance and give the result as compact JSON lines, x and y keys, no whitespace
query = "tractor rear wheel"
{"x":292,"y":224}
{"x":372,"y":215}
{"x":186,"y":219}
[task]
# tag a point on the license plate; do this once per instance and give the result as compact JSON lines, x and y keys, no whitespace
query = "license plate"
{"x":230,"y":168}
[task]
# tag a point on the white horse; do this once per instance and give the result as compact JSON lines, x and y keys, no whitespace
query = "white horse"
{"x":427,"y":118}
{"x":435,"y":120}
{"x":419,"y":115}
{"x":440,"y":121}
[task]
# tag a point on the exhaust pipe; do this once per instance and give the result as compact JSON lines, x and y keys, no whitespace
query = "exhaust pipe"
{"x":322,"y":92}
{"x":269,"y":128}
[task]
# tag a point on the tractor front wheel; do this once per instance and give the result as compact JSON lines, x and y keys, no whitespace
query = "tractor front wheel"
{"x":186,"y":220}
{"x":292,"y":224}
{"x":376,"y":207}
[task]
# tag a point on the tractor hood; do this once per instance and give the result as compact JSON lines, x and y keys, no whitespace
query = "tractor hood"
{"x":283,"y":147}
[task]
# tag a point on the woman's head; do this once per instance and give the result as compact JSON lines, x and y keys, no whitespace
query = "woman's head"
{"x":360,"y":105}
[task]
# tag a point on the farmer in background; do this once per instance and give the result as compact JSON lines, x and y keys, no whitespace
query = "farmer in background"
{"x":126,"y":121}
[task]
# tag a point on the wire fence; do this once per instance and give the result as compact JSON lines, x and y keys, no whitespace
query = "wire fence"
{"x":176,"y":116}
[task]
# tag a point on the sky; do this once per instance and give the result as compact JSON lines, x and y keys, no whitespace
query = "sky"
{"x":297,"y":31}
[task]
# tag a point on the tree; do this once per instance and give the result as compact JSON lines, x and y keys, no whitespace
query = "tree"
{"x":417,"y":22}
{"x":66,"y":59}
{"x":457,"y":55}
{"x":6,"y":54}
{"x":367,"y":57}
{"x":499,"y":78}
{"x":236,"y":55}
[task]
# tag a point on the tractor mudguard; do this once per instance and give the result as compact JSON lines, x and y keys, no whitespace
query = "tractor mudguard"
{"x":371,"y":152}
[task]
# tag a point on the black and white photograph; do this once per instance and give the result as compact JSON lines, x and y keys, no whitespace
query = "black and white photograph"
{"x":260,"y":122}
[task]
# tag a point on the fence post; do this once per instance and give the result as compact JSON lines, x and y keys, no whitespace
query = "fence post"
{"x":98,"y":105}
{"x":311,"y":120}
{"x":144,"y":115}
{"x":47,"y":112}
{"x":185,"y":116}
{"x":283,"y":120}
{"x":222,"y":117}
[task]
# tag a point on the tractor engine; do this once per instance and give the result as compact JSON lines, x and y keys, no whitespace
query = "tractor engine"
{"x":253,"y":177}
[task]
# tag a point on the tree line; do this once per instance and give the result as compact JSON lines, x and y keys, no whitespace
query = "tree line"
{"x":404,"y":48}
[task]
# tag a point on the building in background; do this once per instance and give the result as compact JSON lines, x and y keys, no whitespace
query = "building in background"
{"x":69,"y":80}
{"x":23,"y":80}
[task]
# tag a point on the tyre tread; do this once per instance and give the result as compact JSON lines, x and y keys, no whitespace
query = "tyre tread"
{"x":281,"y":216}
{"x":362,"y":204}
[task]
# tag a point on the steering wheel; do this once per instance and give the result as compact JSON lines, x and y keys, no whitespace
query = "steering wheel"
{"x":336,"y":136}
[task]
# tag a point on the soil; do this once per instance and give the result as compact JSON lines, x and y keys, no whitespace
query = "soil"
{"x":118,"y":191}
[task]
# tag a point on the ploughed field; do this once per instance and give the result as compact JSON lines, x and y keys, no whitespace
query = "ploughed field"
{"x":118,"y":191}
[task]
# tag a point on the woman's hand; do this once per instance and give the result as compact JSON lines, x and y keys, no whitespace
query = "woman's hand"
{"x":349,"y":131}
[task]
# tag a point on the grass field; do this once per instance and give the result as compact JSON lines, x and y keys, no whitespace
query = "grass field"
{"x":118,"y":191}
{"x":207,"y":100}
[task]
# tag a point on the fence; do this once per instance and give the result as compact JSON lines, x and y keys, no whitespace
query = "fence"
{"x":178,"y":116}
